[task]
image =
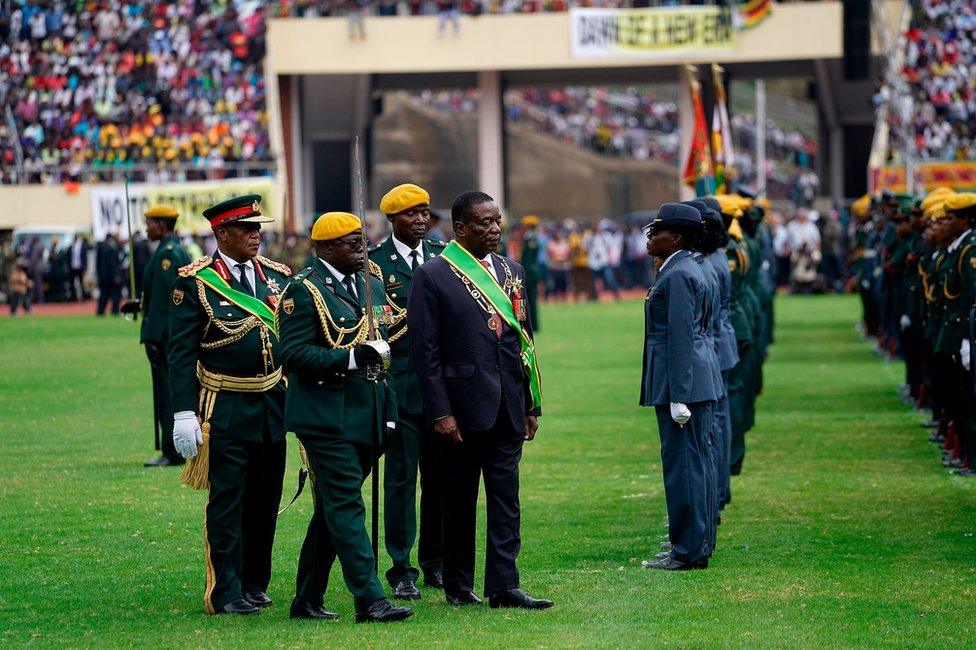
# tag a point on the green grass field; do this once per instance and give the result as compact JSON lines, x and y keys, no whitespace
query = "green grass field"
{"x":844,"y":529}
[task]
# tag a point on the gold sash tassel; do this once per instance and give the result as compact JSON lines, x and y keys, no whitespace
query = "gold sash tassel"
{"x":196,"y":473}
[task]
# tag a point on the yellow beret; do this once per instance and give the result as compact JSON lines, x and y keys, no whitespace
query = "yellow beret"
{"x":333,"y":225}
{"x":161,"y":211}
{"x":530,"y":221}
{"x":403,"y":197}
{"x":937,"y":195}
{"x":960,"y":201}
{"x":732,"y":204}
{"x":936,"y":211}
{"x":862,"y":206}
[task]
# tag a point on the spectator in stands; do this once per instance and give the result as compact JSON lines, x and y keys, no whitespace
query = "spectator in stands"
{"x":447,"y":11}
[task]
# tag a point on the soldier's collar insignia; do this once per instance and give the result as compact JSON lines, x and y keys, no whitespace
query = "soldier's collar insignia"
{"x":328,"y":280}
{"x":430,"y":254}
{"x":288,"y":305}
{"x":177,"y":297}
{"x":393,"y":278}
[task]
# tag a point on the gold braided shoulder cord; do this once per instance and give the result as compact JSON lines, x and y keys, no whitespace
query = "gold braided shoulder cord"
{"x":235,"y":330}
{"x":358,"y":331}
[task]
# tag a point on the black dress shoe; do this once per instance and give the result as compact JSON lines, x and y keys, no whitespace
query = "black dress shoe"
{"x":239,"y":606}
{"x":518,"y":598}
{"x":406,"y":590}
{"x":434,"y":580}
{"x":671,"y":563}
{"x":462,"y":598}
{"x":966,"y":471}
{"x":383,"y":611}
{"x":163,"y":461}
{"x":304,"y":609}
{"x":257,"y":598}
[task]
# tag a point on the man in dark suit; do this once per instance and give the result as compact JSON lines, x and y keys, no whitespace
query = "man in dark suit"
{"x":471,"y":343}
{"x":108,"y":267}
{"x":678,"y":381}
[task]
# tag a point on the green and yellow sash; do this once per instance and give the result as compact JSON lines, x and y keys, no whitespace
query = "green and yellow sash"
{"x":245,"y":301}
{"x":466,"y":264}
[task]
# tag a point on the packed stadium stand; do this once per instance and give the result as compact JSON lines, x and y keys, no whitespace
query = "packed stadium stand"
{"x":940,"y":68}
{"x":159,"y":90}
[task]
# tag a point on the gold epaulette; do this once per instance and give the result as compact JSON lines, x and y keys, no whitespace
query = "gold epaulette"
{"x":283,"y":269}
{"x":191,"y":269}
{"x":375,"y":269}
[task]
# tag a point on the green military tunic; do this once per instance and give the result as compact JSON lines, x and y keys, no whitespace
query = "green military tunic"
{"x":958,"y":284}
{"x":741,"y":376}
{"x":158,"y":281}
{"x":411,"y":446}
{"x":210,"y":333}
{"x":339,"y":415}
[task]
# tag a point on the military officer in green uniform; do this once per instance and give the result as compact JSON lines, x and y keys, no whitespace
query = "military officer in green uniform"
{"x":411,"y":445}
{"x":340,"y":404}
{"x":530,"y":263}
{"x":953,"y":345}
{"x":158,"y":281}
{"x":229,"y":398}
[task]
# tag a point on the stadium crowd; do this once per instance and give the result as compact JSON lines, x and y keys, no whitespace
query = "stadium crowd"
{"x":939,"y":65}
{"x":163,"y":90}
{"x":914,"y":265}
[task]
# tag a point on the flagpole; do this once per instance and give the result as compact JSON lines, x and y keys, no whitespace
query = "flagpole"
{"x":761,"y":136}
{"x":686,"y":124}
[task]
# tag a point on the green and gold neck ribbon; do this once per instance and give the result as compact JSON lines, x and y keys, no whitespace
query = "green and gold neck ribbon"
{"x":466,"y":264}
{"x":245,"y":301}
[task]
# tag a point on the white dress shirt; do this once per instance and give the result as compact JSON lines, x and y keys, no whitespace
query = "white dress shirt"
{"x":491,"y":266}
{"x":340,"y":277}
{"x":236,"y":272}
{"x":405,"y":251}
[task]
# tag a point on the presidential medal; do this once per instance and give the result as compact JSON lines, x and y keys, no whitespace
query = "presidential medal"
{"x":273,"y":286}
{"x":493,"y":323}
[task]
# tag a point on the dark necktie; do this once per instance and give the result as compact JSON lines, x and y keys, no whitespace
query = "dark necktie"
{"x":350,"y":286}
{"x":244,"y":282}
{"x":414,"y":260}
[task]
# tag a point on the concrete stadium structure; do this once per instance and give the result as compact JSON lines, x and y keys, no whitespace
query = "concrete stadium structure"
{"x":323,"y":90}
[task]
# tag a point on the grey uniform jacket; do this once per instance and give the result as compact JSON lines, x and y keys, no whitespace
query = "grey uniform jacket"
{"x":678,"y":366}
{"x":728,"y":351}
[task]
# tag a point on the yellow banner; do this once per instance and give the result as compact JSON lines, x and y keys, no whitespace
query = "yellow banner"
{"x":956,"y":175}
{"x":650,"y":32}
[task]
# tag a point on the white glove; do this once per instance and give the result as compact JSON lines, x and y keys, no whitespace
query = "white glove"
{"x":964,"y":350}
{"x":680,"y":413}
{"x":905,"y":322}
{"x":186,"y":433}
